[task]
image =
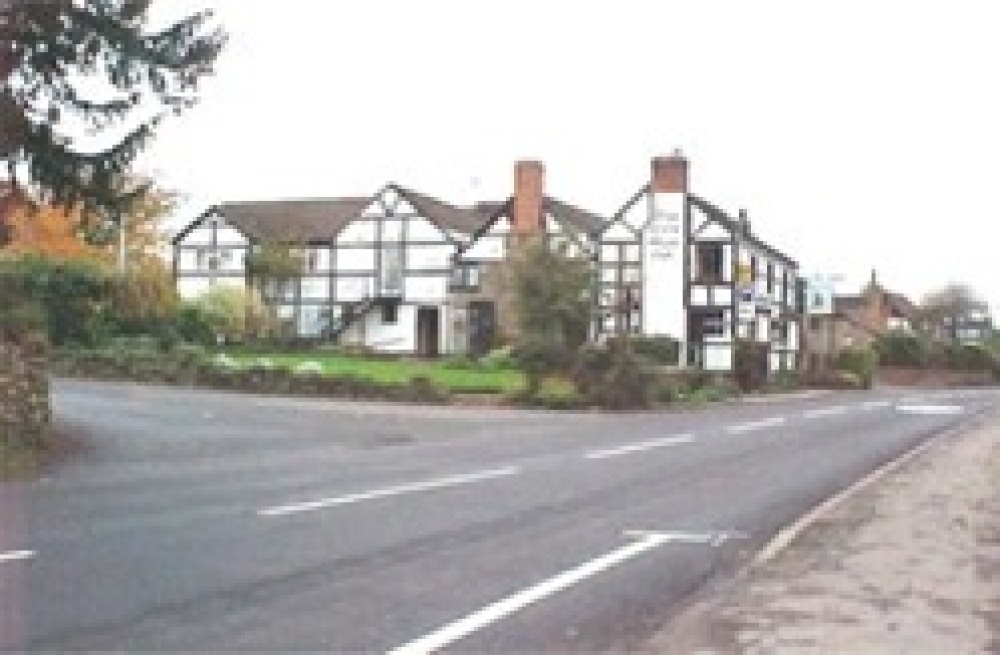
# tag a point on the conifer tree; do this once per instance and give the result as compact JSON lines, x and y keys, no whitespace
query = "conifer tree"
{"x":94,"y":69}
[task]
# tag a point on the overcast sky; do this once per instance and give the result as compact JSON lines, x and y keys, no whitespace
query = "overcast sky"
{"x":857,"y":133}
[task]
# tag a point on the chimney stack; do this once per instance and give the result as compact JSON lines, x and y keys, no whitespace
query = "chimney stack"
{"x":670,"y":173}
{"x":529,"y":191}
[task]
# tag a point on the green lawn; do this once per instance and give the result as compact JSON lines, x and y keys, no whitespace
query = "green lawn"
{"x":397,"y":371}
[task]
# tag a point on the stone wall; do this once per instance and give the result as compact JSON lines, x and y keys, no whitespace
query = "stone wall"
{"x":24,"y":394}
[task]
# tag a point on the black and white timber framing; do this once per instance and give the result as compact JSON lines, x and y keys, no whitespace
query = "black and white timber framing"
{"x":401,"y":272}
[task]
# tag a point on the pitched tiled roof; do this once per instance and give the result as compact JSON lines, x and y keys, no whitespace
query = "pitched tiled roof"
{"x":732,"y":225}
{"x":848,"y":304}
{"x":901,"y":305}
{"x":579,"y":219}
{"x":292,"y":220}
{"x":464,"y":220}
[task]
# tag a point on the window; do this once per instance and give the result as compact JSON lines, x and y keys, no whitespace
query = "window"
{"x":712,"y":324}
{"x":311,"y":259}
{"x":465,"y":276}
{"x":392,"y":268}
{"x":709,"y":262}
{"x":815,"y":323}
{"x":201,"y":258}
{"x":390,"y":313}
{"x":770,"y":278}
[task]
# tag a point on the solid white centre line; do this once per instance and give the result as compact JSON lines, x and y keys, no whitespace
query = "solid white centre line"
{"x":493,"y":613}
{"x":427,"y":485}
{"x":756,"y":425}
{"x":16,"y":555}
{"x":824,"y":411}
{"x":640,"y":446}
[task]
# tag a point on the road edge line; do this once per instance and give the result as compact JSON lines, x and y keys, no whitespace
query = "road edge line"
{"x":788,"y":534}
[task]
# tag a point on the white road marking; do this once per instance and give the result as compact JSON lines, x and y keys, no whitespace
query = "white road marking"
{"x":774,"y":421}
{"x":640,"y":446}
{"x":427,"y":485}
{"x":933,"y":410}
{"x":875,"y":404}
{"x":824,"y":411}
{"x":461,"y":628}
{"x":16,"y":555}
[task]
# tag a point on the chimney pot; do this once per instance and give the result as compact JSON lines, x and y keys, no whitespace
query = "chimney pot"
{"x":670,"y":173}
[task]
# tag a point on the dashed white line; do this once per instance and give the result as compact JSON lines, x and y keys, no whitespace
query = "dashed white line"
{"x":461,"y":628}
{"x":824,"y":411}
{"x":774,"y":421}
{"x":640,"y":446}
{"x":931,"y":410}
{"x":875,"y":404}
{"x":16,"y":555}
{"x":427,"y":485}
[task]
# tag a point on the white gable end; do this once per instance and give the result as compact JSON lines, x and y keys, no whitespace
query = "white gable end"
{"x":638,"y":214}
{"x":712,"y":230}
{"x":618,"y":232}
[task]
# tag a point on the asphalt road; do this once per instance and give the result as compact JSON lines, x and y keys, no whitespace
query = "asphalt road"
{"x":202,"y":521}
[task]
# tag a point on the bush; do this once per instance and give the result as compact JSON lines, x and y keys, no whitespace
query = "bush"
{"x":657,"y":350}
{"x":235,"y":314}
{"x":901,"y":349}
{"x":969,"y":357}
{"x":858,"y":361}
{"x":614,"y":377}
{"x":499,"y":359}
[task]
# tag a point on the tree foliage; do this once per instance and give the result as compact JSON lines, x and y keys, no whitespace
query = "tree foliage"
{"x":553,"y":301}
{"x":62,"y":296}
{"x":942,"y":311}
{"x":96,"y":64}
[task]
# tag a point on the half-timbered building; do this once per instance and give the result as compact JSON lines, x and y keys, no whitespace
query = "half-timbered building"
{"x":376,"y":271}
{"x":403,"y":272}
{"x":689,"y":270}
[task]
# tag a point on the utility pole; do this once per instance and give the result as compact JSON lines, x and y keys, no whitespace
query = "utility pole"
{"x":121,"y":243}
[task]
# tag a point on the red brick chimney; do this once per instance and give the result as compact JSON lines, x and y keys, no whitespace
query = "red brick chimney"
{"x":670,"y":173}
{"x":529,"y":191}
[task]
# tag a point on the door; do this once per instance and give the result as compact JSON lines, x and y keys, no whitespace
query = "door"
{"x":428,"y":329}
{"x":482,"y":326}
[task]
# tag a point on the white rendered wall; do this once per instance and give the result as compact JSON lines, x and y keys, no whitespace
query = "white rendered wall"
{"x":664,"y":313}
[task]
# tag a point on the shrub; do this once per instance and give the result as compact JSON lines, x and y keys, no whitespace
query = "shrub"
{"x":658,"y":350}
{"x":858,"y":361}
{"x":901,"y":349}
{"x":192,"y":325}
{"x":498,"y":359}
{"x":614,"y":377}
{"x":969,"y":357}
{"x":235,"y":314}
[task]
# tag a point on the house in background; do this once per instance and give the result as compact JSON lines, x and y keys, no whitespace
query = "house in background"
{"x":856,"y":321}
{"x":402,"y":272}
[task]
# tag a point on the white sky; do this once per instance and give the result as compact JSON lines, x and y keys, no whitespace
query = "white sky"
{"x":858,"y":133}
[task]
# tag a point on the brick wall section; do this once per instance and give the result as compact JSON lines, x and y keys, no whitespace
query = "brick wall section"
{"x":670,"y":174}
{"x":529,"y":191}
{"x":24,"y":394}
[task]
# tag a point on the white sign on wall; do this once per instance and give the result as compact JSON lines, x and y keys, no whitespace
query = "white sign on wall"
{"x":664,"y":313}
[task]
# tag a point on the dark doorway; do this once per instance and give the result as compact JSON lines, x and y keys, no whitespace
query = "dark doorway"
{"x":482,"y":326}
{"x":428,"y":329}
